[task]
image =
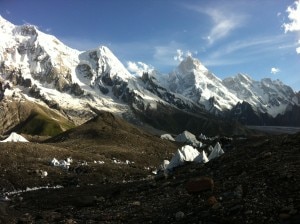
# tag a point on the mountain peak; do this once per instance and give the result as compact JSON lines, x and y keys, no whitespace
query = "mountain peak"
{"x":104,"y":50}
{"x":244,"y":78}
{"x":189,"y":64}
{"x":105,"y":62}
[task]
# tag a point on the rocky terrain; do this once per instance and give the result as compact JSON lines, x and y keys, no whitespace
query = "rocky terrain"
{"x":110,"y":179}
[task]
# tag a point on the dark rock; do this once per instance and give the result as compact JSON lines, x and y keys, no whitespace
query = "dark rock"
{"x":103,"y":89}
{"x":179,"y":215}
{"x":76,"y":89}
{"x":284,"y":216}
{"x":106,"y":79}
{"x":200,"y":184}
{"x":212,"y":200}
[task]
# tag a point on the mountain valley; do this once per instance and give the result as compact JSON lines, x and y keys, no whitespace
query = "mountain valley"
{"x":81,"y":140}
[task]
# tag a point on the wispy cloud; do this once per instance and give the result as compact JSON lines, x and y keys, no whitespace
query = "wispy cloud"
{"x":251,"y":45}
{"x":238,"y":52}
{"x":224,"y":21}
{"x":274,"y":70}
{"x":293,"y":25}
{"x":181,"y":54}
{"x":138,"y":68}
{"x":7,"y":12}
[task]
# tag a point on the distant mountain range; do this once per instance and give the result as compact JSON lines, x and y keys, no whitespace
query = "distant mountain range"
{"x":47,"y":87}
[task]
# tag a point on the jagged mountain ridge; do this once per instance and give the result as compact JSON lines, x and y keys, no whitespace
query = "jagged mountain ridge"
{"x":39,"y":68}
{"x":272,"y":97}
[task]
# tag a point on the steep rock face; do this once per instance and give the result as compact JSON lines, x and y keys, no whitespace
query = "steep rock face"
{"x":151,"y":83}
{"x":291,"y":117}
{"x":194,"y":81}
{"x":298,"y":97}
{"x":101,"y":69}
{"x":245,"y":114}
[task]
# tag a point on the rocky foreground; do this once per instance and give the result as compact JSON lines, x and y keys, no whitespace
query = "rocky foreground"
{"x":255,"y":181}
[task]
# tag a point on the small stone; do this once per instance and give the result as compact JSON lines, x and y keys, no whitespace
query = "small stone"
{"x":200,"y":184}
{"x":212,"y":200}
{"x":166,"y":184}
{"x":248,"y":212}
{"x":136,"y":203}
{"x":85,"y":200}
{"x":267,"y":154}
{"x":284,"y":216}
{"x":293,"y":211}
{"x":216,"y":206}
{"x":238,"y":191}
{"x":70,"y":221}
{"x":286,"y":209}
{"x":235,"y":208}
{"x":179,"y":215}
{"x":100,"y":199}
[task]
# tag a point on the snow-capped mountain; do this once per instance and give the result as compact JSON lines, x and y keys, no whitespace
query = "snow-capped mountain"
{"x":265,"y":96}
{"x":74,"y":85}
{"x":193,"y":80}
{"x":37,"y":67}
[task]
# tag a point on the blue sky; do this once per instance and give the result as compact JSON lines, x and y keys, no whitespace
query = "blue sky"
{"x":260,"y":38}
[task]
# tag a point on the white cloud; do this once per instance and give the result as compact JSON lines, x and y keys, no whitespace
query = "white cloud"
{"x":179,"y":56}
{"x":274,"y":70}
{"x":298,"y":48}
{"x":223,"y":25}
{"x":138,"y":68}
{"x":294,"y":17}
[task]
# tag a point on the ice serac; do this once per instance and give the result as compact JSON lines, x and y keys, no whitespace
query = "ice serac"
{"x":193,"y":80}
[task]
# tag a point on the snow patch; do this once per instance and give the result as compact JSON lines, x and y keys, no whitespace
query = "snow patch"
{"x":117,"y":161}
{"x":167,"y":137}
{"x":14,"y":137}
{"x":28,"y":189}
{"x":62,"y":163}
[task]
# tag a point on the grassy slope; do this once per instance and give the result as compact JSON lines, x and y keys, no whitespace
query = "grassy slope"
{"x":42,"y":121}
